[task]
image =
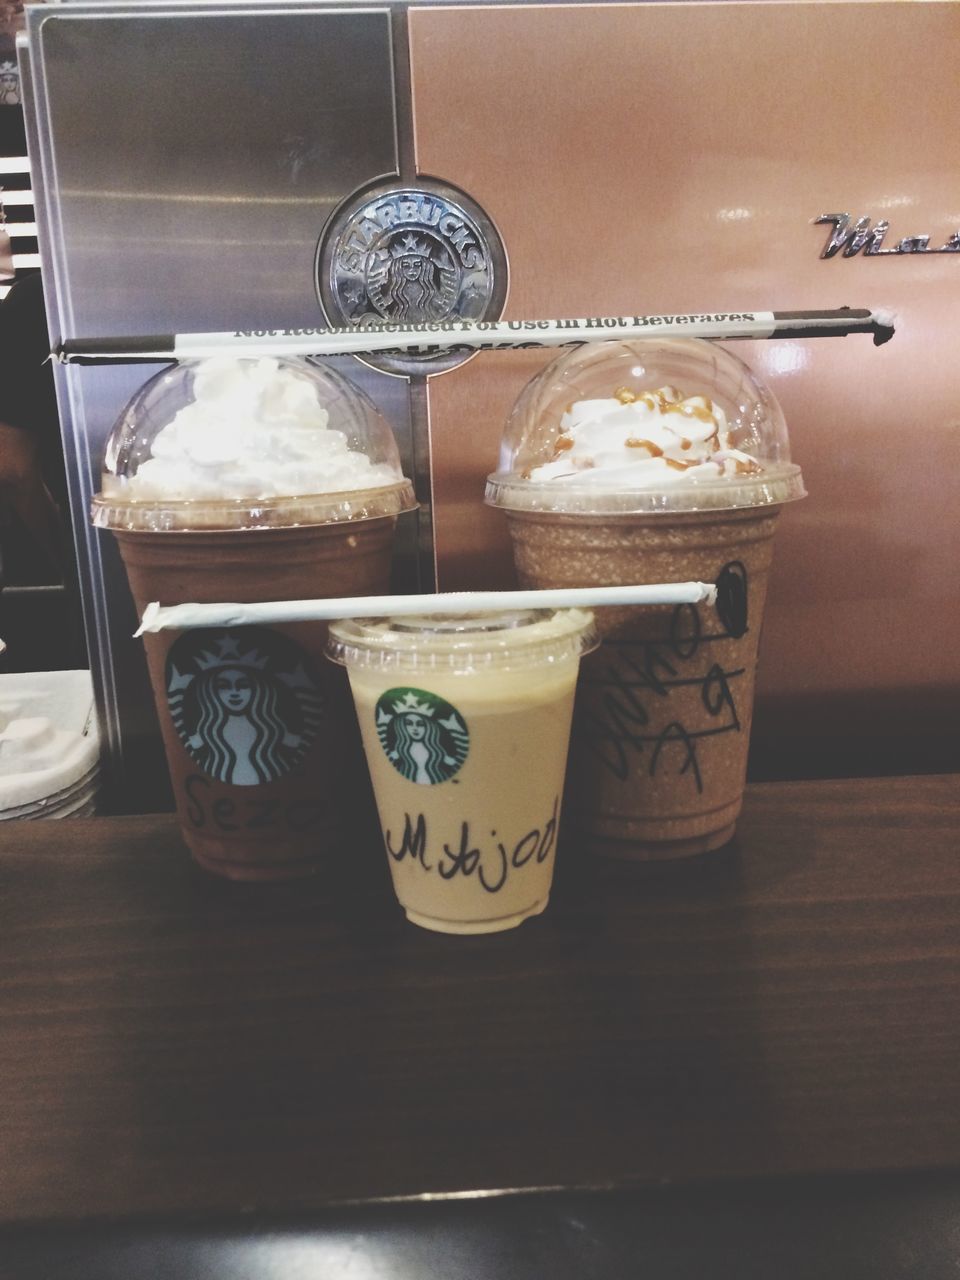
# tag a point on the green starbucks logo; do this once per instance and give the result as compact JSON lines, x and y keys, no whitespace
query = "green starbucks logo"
{"x":424,"y":737}
{"x":245,"y":702}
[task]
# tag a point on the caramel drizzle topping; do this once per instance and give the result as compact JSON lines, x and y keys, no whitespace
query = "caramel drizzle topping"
{"x":661,"y":402}
{"x":704,"y":414}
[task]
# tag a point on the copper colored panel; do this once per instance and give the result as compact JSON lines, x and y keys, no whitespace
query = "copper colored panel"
{"x":673,"y":157}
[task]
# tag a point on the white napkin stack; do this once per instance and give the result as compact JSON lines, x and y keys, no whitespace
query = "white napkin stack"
{"x":49,"y":745}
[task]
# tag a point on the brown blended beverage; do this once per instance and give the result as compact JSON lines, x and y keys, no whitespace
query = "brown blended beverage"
{"x":642,"y":462}
{"x":246,"y":481}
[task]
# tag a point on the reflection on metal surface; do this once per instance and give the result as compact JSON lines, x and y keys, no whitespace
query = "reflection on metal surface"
{"x":412,"y":255}
{"x":782,"y":359}
{"x":186,"y":192}
{"x":851,"y":238}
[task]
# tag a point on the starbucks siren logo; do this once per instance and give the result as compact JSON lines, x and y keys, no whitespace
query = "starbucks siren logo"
{"x":412,"y":278}
{"x":245,"y":702}
{"x":423,"y":736}
{"x":410,"y":255}
{"x":9,"y":84}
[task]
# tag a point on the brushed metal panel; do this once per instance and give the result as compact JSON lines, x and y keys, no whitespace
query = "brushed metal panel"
{"x":672,"y":157}
{"x":198,"y":175}
{"x":188,"y":157}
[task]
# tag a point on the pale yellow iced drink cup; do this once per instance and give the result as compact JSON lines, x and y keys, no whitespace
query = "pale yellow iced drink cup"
{"x":466,"y":724}
{"x":642,"y":462}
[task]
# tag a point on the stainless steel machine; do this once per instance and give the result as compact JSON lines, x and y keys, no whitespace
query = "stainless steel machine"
{"x":216,"y":165}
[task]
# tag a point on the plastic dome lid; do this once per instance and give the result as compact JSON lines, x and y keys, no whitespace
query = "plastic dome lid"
{"x":644,"y":426}
{"x":238,"y":443}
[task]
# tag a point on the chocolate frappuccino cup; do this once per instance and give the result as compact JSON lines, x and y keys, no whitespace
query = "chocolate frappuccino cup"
{"x":277,"y":480}
{"x":642,"y":462}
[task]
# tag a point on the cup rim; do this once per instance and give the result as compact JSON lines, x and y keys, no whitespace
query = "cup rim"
{"x":528,"y":638}
{"x":186,"y":515}
{"x":775,"y":486}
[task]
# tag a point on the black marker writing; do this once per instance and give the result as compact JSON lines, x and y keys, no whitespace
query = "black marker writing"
{"x":686,"y":631}
{"x":467,"y":861}
{"x":715,"y":692}
{"x":492,"y":864}
{"x":623,"y":700}
{"x":204,"y":804}
{"x":413,"y":844}
{"x":675,"y":733}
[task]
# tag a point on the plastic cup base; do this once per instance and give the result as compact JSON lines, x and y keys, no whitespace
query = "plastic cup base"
{"x":497,"y":925}
{"x":225,"y":870}
{"x":660,"y":850}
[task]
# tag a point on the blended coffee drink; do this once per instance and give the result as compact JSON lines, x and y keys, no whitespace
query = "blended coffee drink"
{"x":247,"y":480}
{"x":643,"y":462}
{"x":466,"y":724}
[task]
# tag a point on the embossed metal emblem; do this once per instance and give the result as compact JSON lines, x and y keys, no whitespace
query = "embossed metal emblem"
{"x":410,"y":255}
{"x":850,"y":237}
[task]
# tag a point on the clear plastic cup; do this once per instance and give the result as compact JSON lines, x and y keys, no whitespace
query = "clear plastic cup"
{"x":466,"y":723}
{"x":251,"y":480}
{"x":639,"y":462}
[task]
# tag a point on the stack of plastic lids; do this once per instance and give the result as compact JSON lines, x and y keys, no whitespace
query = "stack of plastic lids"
{"x":49,"y":746}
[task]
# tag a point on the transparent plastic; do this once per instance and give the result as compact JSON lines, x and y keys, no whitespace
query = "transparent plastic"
{"x":751,"y":444}
{"x":464,"y":643}
{"x":240,"y":443}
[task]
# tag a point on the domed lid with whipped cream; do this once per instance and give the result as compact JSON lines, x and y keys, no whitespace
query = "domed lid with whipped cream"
{"x":646,"y":426}
{"x":240,"y":443}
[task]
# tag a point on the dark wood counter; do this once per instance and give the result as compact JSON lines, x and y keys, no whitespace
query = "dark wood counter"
{"x":174,"y":1046}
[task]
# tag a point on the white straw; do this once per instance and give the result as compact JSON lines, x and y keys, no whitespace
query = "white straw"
{"x":183,"y":617}
{"x":466,"y":336}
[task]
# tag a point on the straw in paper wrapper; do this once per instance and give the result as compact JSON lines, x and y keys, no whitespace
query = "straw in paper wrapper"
{"x":465,"y":336}
{"x":180,"y":617}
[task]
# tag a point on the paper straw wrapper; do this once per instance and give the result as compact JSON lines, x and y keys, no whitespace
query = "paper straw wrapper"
{"x":465,"y":336}
{"x":182,"y":617}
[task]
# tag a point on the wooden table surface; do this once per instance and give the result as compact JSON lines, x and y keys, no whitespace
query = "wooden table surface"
{"x":172,"y":1044}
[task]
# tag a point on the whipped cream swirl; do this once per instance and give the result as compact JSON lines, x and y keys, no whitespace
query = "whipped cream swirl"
{"x":650,"y":440}
{"x":255,"y":429}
